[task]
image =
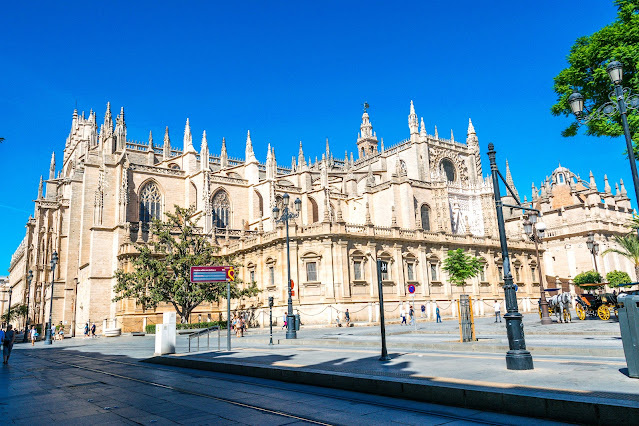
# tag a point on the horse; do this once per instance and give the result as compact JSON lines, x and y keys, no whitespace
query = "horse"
{"x":558,"y":302}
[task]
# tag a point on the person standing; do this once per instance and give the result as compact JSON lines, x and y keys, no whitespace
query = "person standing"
{"x":33,"y":334}
{"x":347,"y":318}
{"x":53,"y":337}
{"x":439,"y":318}
{"x":411,"y":314}
{"x":402,"y":314}
{"x":497,"y":307}
{"x":7,"y":343}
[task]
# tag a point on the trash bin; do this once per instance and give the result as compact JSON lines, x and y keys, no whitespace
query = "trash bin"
{"x":629,"y":325}
{"x":297,"y":322}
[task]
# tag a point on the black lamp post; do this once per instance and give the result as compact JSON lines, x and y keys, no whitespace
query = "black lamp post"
{"x":621,"y":99}
{"x":535,"y":230}
{"x":9,"y":310}
{"x":517,"y":358}
{"x":54,"y":261}
{"x":286,"y":215}
{"x":593,"y":247}
{"x":29,"y":279}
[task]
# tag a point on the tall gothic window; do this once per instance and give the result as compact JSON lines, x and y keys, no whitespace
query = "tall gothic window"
{"x":221,"y":210}
{"x":448,"y":168}
{"x":150,"y":203}
{"x":425,"y":212}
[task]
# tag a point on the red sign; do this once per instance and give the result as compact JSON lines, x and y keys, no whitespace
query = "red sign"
{"x":411,"y":289}
{"x":292,"y":284}
{"x":292,"y":293}
{"x":212,"y":274}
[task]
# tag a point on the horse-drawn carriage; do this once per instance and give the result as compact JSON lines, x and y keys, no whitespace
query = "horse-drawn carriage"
{"x":559,"y":306}
{"x":599,"y":305}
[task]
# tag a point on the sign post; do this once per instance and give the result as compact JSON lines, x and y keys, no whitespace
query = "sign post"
{"x":382,"y":267}
{"x":217,"y":274}
{"x":270,"y":319}
{"x":411,"y":290}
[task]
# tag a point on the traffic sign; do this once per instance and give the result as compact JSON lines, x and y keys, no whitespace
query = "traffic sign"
{"x":292,"y":284}
{"x":411,"y":289}
{"x":212,"y":274}
{"x":383,"y":266}
{"x":292,"y":293}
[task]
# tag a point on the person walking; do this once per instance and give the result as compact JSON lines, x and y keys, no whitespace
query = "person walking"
{"x":423,"y":311}
{"x":33,"y":334}
{"x":86,"y":330}
{"x":497,"y":307}
{"x":402,"y":314}
{"x":285,"y":321}
{"x":347,"y":318}
{"x":411,"y":314}
{"x":93,"y":331}
{"x":439,"y":318}
{"x":7,"y":343}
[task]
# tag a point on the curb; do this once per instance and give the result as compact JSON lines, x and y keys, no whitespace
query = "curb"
{"x":556,"y":405}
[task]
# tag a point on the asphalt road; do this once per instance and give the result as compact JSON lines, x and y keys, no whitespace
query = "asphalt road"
{"x":45,"y":385}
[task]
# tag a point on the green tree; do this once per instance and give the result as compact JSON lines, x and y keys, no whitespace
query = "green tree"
{"x":461,"y":267}
{"x":629,"y":248}
{"x":588,"y":277}
{"x":16,"y":312}
{"x":588,"y":59}
{"x":616,"y":278}
{"x":161,"y":269}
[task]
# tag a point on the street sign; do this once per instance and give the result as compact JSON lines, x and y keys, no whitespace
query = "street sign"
{"x":212,"y":274}
{"x":292,"y":293}
{"x":383,"y":266}
{"x":292,"y":284}
{"x":411,"y":289}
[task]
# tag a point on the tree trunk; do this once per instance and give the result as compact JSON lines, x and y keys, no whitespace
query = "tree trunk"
{"x":636,"y":272}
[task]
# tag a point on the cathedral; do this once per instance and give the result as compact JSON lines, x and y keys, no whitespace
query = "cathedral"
{"x":408,"y":204}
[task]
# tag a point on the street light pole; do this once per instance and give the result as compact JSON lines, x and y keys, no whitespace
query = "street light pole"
{"x":54,"y":261}
{"x":593,"y":247}
{"x":9,"y":310}
{"x":620,"y":100}
{"x":517,"y":358}
{"x":291,"y":333}
{"x":535,"y":231}
{"x":29,"y":278}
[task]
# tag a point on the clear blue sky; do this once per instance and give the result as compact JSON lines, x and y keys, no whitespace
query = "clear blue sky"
{"x":292,"y":71}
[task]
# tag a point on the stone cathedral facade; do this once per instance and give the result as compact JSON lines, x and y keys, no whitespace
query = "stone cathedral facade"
{"x":407,"y":203}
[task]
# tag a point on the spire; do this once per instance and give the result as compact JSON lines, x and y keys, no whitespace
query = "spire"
{"x":204,"y":153}
{"x":249,"y":154}
{"x":436,"y":134}
{"x":108,"y":119}
{"x":623,"y":188}
{"x":509,"y":180}
{"x":617,"y":192}
{"x":471,"y":128}
{"x":120,"y":130}
{"x":40,"y":188}
{"x":166,"y":148}
{"x":422,"y":130}
{"x":592,"y":184}
{"x":328,"y":151}
{"x":150,"y":147}
{"x":535,"y":193}
{"x":224,"y":157}
{"x":188,"y":138}
{"x":607,"y":185}
{"x":382,"y":145}
{"x":452,"y":137}
{"x":52,"y":166}
{"x":413,"y":126}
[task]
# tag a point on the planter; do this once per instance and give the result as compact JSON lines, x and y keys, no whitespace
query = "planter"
{"x":112,"y":332}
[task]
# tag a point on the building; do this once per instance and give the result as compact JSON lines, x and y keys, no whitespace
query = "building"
{"x":408,"y":204}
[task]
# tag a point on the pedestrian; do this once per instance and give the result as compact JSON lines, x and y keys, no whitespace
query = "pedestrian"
{"x":497,"y":307}
{"x":7,"y":343}
{"x":52,"y":331}
{"x":285,"y":321}
{"x":33,"y":334}
{"x":93,"y":331}
{"x":347,"y":318}
{"x":411,"y":313}
{"x":439,"y":318}
{"x":423,"y":311}
{"x":242,"y":326}
{"x":86,"y":330}
{"x":402,"y":314}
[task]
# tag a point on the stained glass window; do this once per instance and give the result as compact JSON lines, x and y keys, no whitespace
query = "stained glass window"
{"x":150,"y":203}
{"x":221,"y":210}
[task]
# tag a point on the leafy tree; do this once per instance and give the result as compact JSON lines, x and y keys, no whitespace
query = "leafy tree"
{"x":161,"y":270}
{"x":16,"y":312}
{"x":588,"y":59}
{"x":629,"y":249}
{"x":616,"y":278}
{"x":461,"y":266}
{"x":588,"y":277}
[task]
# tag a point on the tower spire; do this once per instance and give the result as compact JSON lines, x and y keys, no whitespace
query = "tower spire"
{"x":509,"y":180}
{"x":40,"y":188}
{"x":413,"y":125}
{"x":249,"y":154}
{"x":607,"y":185}
{"x":471,"y":128}
{"x":204,"y":153}
{"x":52,"y":166}
{"x":224,"y":158}
{"x":436,"y":134}
{"x":188,"y":138}
{"x":166,"y":148}
{"x":150,"y":147}
{"x":422,"y":130}
{"x":592,"y":184}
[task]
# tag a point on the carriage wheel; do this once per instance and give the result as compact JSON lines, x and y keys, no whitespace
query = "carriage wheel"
{"x":581,"y":314}
{"x":603,"y":312}
{"x":567,"y":316}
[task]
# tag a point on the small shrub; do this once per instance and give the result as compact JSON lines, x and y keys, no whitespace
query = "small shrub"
{"x":588,"y":277}
{"x":617,"y":278}
{"x":150,"y":328}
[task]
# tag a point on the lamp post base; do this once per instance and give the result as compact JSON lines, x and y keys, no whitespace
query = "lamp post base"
{"x":47,"y":337}
{"x":290,"y":327}
{"x":545,"y":317}
{"x":519,"y":360}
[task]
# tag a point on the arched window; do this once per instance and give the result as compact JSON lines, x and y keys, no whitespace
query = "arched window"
{"x":174,"y":166}
{"x":561,"y":178}
{"x":314,"y":216}
{"x":425,"y":213}
{"x":448,"y":168}
{"x":150,"y":203}
{"x":258,"y":205}
{"x":221,"y":213}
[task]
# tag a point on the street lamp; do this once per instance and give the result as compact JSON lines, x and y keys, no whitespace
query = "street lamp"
{"x":286,"y":215}
{"x":593,"y":247}
{"x":621,"y":99}
{"x":535,"y":231}
{"x":54,"y":261}
{"x":26,"y":317}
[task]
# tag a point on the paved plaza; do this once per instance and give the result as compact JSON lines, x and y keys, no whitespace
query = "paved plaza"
{"x":101,"y":380}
